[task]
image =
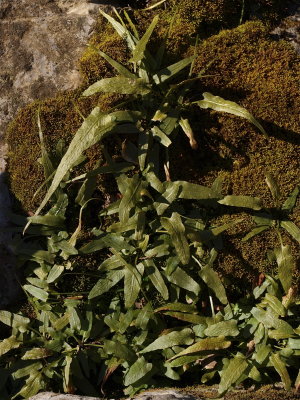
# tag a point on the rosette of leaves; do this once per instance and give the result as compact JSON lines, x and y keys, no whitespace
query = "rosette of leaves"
{"x":277,"y":218}
{"x":156,"y":105}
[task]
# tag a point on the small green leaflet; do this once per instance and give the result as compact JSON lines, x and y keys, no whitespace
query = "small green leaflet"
{"x":176,"y":229}
{"x":120,"y":85}
{"x":218,"y":104}
{"x":236,"y":367}
{"x":137,"y":371}
{"x":175,"y":338}
{"x":14,"y":320}
{"x":242,"y":201}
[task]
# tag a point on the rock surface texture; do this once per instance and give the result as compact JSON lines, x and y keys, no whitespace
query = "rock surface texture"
{"x":148,"y":395}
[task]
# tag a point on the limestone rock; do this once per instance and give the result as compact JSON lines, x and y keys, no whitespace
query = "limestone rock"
{"x":56,"y":396}
{"x":168,"y":394}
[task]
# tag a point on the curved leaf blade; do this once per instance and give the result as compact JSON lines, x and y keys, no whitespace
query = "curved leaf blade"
{"x":218,"y":104}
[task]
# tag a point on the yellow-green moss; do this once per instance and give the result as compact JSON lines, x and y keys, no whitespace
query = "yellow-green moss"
{"x":263,"y":76}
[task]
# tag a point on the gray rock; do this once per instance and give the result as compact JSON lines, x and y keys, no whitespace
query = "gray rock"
{"x":168,"y":394}
{"x":41,"y":42}
{"x":55,"y":396}
{"x":289,"y":28}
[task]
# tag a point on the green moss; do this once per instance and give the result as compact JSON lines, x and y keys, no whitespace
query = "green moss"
{"x":262,"y":75}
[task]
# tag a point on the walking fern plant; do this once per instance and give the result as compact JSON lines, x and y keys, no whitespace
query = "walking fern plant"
{"x":144,"y":316}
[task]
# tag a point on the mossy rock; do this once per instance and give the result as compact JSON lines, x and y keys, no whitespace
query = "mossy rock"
{"x":248,"y":67}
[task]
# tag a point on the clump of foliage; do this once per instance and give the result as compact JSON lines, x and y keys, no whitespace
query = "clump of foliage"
{"x":154,"y":308}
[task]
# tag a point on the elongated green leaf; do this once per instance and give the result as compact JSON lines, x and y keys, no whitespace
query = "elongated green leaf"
{"x":207,"y":344}
{"x":225,"y":328}
{"x":273,"y":186}
{"x":117,"y":66}
{"x":192,"y":191}
{"x":28,"y":370}
{"x":45,"y":159}
{"x":280,"y":367}
{"x":49,"y":220}
{"x":211,"y":278}
{"x":255,"y":231}
{"x":105,"y":284}
{"x":292,"y":229}
{"x":61,"y":322}
{"x":120,"y":85}
{"x":184,"y":360}
{"x":132,"y":285}
{"x":137,"y":371}
{"x":93,"y":129}
{"x":218,"y":104}
{"x":236,"y":367}
{"x":131,"y":196}
{"x":176,"y":229}
{"x":175,"y":338}
{"x":138,"y":52}
{"x":8,"y":344}
{"x":285,"y":263}
{"x":166,"y":73}
{"x":32,"y":386}
{"x":242,"y":201}
{"x":180,"y":278}
{"x":186,"y":127}
{"x":108,"y":240}
{"x":290,"y":202}
{"x":156,"y":278}
{"x":121,"y":30}
{"x":36,"y":292}
{"x":183,"y":316}
{"x":188,"y":308}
